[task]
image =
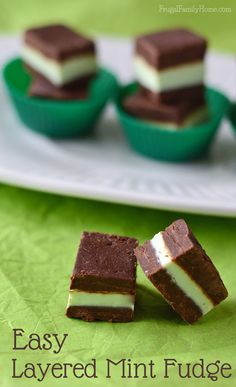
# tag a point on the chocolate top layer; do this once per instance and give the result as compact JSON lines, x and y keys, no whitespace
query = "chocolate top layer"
{"x":171,"y":47}
{"x":105,"y":263}
{"x":58,"y":42}
{"x":140,"y":106}
{"x":189,"y":254}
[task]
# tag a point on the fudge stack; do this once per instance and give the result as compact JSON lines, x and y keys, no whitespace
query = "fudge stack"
{"x":169,"y":68}
{"x":103,"y":282}
{"x":61,"y":62}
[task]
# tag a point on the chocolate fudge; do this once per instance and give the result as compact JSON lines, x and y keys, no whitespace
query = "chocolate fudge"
{"x":59,"y":54}
{"x":180,"y":269}
{"x":170,"y":60}
{"x":168,"y":116}
{"x":104,"y":279}
{"x":193,"y":93}
{"x":41,"y":87}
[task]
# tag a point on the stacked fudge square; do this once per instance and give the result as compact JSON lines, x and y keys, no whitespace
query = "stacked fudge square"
{"x":169,"y":67}
{"x":61,"y":62}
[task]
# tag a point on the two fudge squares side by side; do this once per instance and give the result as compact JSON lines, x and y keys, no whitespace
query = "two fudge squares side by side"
{"x":180,"y":269}
{"x":103,"y":282}
{"x":59,"y":54}
{"x":170,"y":60}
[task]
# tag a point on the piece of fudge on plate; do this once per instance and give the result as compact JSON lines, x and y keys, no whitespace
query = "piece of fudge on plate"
{"x":59,"y":54}
{"x":170,"y":64}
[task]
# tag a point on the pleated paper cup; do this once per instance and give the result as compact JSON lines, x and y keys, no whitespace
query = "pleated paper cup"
{"x":58,"y":118}
{"x":172,"y":145}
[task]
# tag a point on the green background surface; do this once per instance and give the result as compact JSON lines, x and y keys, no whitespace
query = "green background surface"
{"x":40,"y":234}
{"x":123,"y":17}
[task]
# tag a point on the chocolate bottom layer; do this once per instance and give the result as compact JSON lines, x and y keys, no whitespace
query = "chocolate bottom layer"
{"x":140,"y":106}
{"x":178,"y":300}
{"x":103,"y":314}
{"x":173,"y":294}
{"x":194,"y":93}
{"x":41,"y":87}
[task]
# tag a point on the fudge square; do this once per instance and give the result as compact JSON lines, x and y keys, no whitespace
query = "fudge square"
{"x":168,"y":116}
{"x":170,"y":60}
{"x":59,"y":54}
{"x":179,"y":268}
{"x":41,"y":87}
{"x":103,"y":281}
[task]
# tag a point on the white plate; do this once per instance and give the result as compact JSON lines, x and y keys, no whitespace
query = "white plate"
{"x":103,"y":167}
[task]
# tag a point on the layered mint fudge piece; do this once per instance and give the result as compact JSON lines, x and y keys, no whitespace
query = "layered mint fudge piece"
{"x":169,"y":64}
{"x":172,"y":116}
{"x":103,"y":281}
{"x":59,"y":54}
{"x":180,"y":269}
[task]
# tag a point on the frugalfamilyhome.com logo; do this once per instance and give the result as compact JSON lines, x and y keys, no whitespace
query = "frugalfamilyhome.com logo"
{"x":195,"y":8}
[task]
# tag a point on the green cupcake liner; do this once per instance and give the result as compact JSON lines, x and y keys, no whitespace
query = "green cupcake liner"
{"x":232,"y":116}
{"x":58,"y":118}
{"x":172,"y":145}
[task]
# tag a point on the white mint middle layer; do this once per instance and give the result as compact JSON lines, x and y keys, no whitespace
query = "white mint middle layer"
{"x":59,"y":73}
{"x":106,"y":300}
{"x":172,"y":78}
{"x":179,"y":276}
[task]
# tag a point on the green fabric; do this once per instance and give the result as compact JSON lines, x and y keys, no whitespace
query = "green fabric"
{"x":123,"y":17}
{"x":39,"y":237}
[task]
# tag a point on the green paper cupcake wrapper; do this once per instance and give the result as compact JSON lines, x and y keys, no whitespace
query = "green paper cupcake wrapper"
{"x":172,"y":145}
{"x":58,"y":118}
{"x":232,"y":116}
